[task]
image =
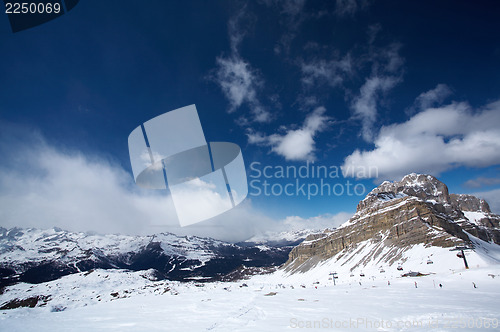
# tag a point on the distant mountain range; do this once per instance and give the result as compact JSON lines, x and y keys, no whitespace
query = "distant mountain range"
{"x":405,"y":223}
{"x":33,"y":255}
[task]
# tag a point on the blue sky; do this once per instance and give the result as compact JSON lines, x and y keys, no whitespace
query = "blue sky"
{"x":404,"y":86}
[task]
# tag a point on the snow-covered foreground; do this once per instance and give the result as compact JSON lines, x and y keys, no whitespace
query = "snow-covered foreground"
{"x":126,"y":301}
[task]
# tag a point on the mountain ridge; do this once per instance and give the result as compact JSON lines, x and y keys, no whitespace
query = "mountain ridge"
{"x":396,"y":216}
{"x":33,"y":255}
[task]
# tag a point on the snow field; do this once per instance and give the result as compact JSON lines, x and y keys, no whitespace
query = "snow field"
{"x":265,"y":305}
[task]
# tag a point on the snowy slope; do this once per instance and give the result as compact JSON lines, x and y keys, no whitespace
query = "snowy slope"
{"x":34,"y":255}
{"x":125,"y":301}
{"x":398,"y":223}
{"x":17,"y":245}
{"x":349,"y":265}
{"x":372,"y":291}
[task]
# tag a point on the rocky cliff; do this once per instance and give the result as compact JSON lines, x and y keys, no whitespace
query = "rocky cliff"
{"x":396,"y":216}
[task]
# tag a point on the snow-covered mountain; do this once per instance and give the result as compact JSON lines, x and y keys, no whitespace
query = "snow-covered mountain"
{"x":119,"y":300}
{"x":33,"y":255}
{"x":404,"y":224}
{"x":282,"y":238}
{"x":401,"y":229}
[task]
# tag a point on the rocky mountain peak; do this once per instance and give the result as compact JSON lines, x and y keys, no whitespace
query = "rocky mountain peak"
{"x":469,"y":203}
{"x":396,"y":216}
{"x":422,"y":186}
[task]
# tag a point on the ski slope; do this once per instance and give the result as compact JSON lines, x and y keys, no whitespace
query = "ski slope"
{"x":128,"y":301}
{"x":120,"y":300}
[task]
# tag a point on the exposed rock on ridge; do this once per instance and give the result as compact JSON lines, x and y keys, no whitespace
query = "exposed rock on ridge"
{"x":469,"y":203}
{"x":396,"y":215}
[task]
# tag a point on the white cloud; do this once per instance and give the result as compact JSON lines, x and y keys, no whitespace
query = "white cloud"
{"x":493,"y":199}
{"x":365,"y":105}
{"x":481,"y":182}
{"x":293,"y":13}
{"x":386,"y":71}
{"x":236,"y":33}
{"x":295,"y":144}
{"x":349,"y":7}
{"x":237,"y":79}
{"x":431,"y":98}
{"x":331,"y":72}
{"x":45,"y":186}
{"x":41,"y":186}
{"x":433,"y":141}
{"x":294,"y":223}
{"x":386,"y":74}
{"x":292,"y":8}
{"x":210,"y":198}
{"x":387,"y":60}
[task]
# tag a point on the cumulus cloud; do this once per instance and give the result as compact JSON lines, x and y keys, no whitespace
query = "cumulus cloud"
{"x":238,"y":80}
{"x":43,"y":185}
{"x":295,"y":144}
{"x":431,"y":98}
{"x":433,"y":141}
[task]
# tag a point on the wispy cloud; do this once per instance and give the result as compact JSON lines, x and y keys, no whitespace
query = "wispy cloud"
{"x":481,"y":182}
{"x":239,"y":83}
{"x":364,"y":106}
{"x":386,"y":74}
{"x":236,"y":77}
{"x":385,"y":68}
{"x":295,"y":144}
{"x":433,"y":141}
{"x":349,"y":7}
{"x":493,"y":199}
{"x":292,"y":14}
{"x":431,"y":98}
{"x":237,"y":29}
{"x":331,"y":72}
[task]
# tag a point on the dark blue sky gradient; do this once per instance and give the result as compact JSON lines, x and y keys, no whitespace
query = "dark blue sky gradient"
{"x":88,"y":78}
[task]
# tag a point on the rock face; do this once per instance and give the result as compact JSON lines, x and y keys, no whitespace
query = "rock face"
{"x":397,"y":215}
{"x":469,"y":203}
